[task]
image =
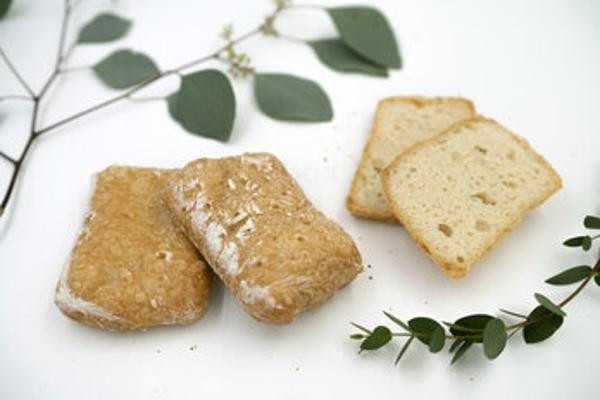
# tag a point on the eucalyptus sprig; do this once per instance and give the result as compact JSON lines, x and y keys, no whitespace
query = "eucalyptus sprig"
{"x":490,"y":331}
{"x":205,"y":103}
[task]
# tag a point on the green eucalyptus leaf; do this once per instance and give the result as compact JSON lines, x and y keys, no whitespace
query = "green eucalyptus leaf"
{"x":597,"y":280}
{"x":591,"y":222}
{"x":4,"y":6}
{"x":455,"y":345}
{"x":571,"y":275}
{"x":103,"y":28}
{"x":586,"y":243}
{"x":380,"y":336}
{"x":335,"y":54}
{"x":362,"y":328}
{"x":576,"y":241}
{"x":403,"y":350}
{"x":290,"y":98}
{"x":357,"y":336}
{"x":204,"y":104}
{"x":473,"y":323}
{"x":367,"y":31}
{"x":429,"y":332}
{"x":494,"y":338}
{"x":124,"y":68}
{"x":545,"y":325}
{"x":466,"y":345}
{"x":397,"y":321}
{"x":549,"y":305}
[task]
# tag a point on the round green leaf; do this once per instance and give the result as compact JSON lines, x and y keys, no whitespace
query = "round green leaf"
{"x":103,"y":28}
{"x":204,"y":104}
{"x":368,"y":33}
{"x":124,"y":68}
{"x":549,"y":305}
{"x":474,"y":324}
{"x":494,"y":338}
{"x":290,"y":98}
{"x":597,"y":280}
{"x":338,"y":56}
{"x":545,"y":325}
{"x":591,"y":222}
{"x":377,"y":339}
{"x":429,"y":332}
{"x":571,"y":275}
{"x":4,"y":6}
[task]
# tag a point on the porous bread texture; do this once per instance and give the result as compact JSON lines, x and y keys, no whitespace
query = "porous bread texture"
{"x":459,"y":193}
{"x":249,"y":218}
{"x":399,"y":123}
{"x":132,"y":267}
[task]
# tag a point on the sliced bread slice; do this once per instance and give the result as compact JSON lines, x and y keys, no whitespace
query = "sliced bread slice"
{"x":399,"y":123}
{"x":459,"y":193}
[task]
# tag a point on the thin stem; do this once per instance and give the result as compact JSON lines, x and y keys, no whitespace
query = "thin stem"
{"x":305,"y":6}
{"x":16,"y":73}
{"x":15,"y":97}
{"x":61,"y":46}
{"x":175,"y":71}
{"x":291,"y":38}
{"x":7,"y":157}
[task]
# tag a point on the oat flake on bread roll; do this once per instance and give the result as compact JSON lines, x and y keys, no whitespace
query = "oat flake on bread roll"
{"x":273,"y":249}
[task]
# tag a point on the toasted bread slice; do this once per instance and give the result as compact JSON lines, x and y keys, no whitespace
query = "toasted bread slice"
{"x":399,"y":123}
{"x":459,"y":193}
{"x":249,"y":218}
{"x":132,"y":267}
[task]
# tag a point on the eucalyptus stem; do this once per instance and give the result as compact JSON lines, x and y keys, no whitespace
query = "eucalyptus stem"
{"x":539,"y":325}
{"x":62,"y":56}
{"x":15,"y":97}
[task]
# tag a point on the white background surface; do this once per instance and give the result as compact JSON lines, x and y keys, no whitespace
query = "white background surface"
{"x":531,"y":65}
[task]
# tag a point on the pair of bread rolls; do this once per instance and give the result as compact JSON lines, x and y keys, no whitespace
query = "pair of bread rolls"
{"x":141,"y":257}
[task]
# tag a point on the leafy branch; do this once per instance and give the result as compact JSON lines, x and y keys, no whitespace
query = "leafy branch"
{"x":204,"y":103}
{"x":492,"y":332}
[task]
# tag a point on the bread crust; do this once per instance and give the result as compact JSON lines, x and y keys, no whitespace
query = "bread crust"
{"x":351,"y":204}
{"x":448,"y":267}
{"x":131,"y":267}
{"x":275,"y":252}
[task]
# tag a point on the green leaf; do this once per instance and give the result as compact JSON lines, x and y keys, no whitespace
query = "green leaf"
{"x":397,"y":321}
{"x":336,"y":55}
{"x":571,"y":275}
{"x":362,"y":328}
{"x":367,"y":31}
{"x":545,"y":325}
{"x":597,"y":280}
{"x":4,"y":6}
{"x":403,"y":350}
{"x":549,"y":305}
{"x":103,"y":28}
{"x":357,"y":336}
{"x":429,"y":332}
{"x":494,"y":338}
{"x":124,"y":68}
{"x":290,"y":98}
{"x":455,"y":345}
{"x":586,"y":243}
{"x":204,"y":104}
{"x":473,"y":323}
{"x":591,"y":222}
{"x":377,"y":339}
{"x":461,"y":350}
{"x":574,"y":241}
